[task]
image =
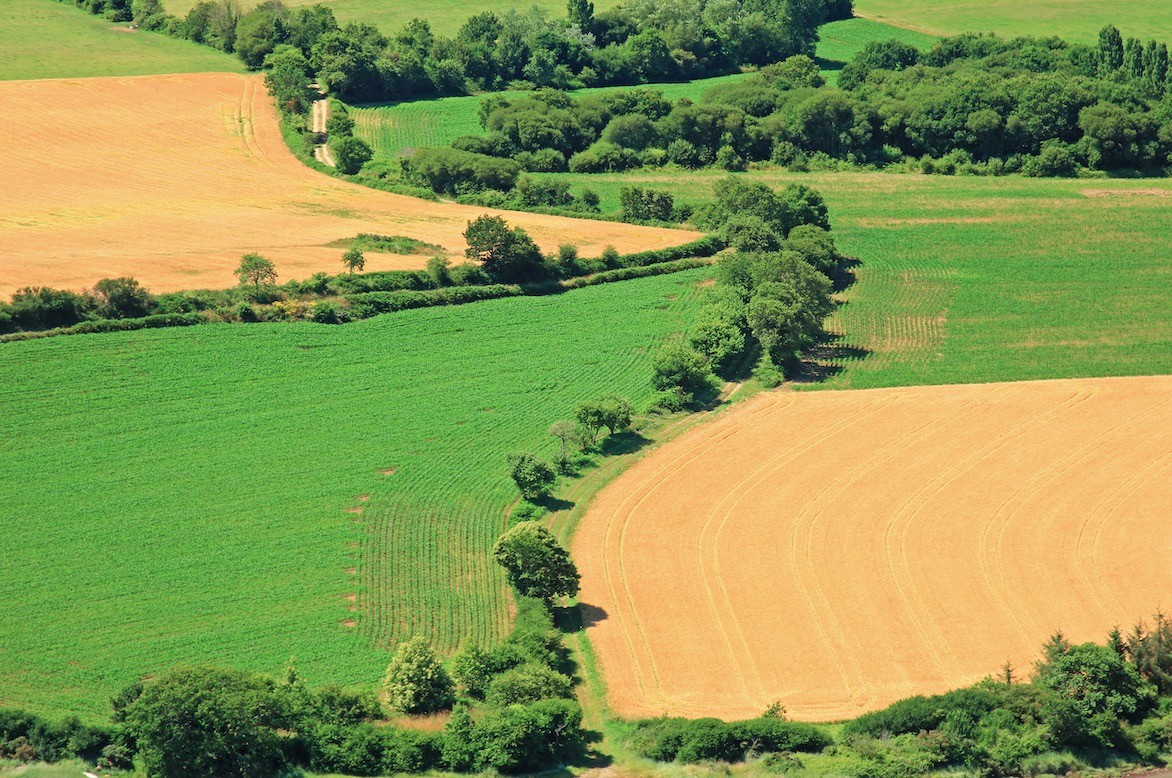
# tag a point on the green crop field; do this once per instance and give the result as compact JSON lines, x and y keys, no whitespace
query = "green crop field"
{"x":47,"y":39}
{"x":186,"y":495}
{"x":390,"y":129}
{"x":1075,"y":20}
{"x":967,"y":279}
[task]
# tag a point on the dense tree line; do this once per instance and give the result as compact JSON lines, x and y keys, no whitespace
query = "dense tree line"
{"x":639,"y":41}
{"x":973,"y":103}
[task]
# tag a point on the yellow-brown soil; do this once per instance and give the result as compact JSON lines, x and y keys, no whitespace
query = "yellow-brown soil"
{"x":837,"y":551}
{"x":171,"y":179}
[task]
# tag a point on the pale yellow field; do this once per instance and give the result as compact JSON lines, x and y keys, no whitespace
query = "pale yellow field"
{"x":837,"y":551}
{"x":171,"y":179}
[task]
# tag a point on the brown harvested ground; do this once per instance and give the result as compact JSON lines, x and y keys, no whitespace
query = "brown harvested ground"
{"x":172,"y":178}
{"x":838,"y":551}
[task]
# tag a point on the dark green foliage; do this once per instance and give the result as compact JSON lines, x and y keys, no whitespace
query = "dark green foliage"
{"x":536,"y":564}
{"x":416,"y":681}
{"x":452,"y":171}
{"x":121,"y":298}
{"x":877,"y":55}
{"x":42,"y":308}
{"x":779,"y":211}
{"x":703,"y":740}
{"x":682,"y":369}
{"x":209,"y":722}
{"x":1150,"y":651}
{"x":287,"y":77}
{"x":506,"y":255}
{"x":350,"y":153}
{"x":259,"y":32}
{"x":641,"y":204}
{"x":527,"y":683}
{"x":27,"y":737}
{"x":517,"y":738}
{"x":533,"y":475}
{"x":366,"y":304}
{"x":609,"y":411}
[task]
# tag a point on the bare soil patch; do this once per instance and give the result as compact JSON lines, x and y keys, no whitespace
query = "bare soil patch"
{"x":838,"y":551}
{"x":1150,"y":192}
{"x":172,"y":178}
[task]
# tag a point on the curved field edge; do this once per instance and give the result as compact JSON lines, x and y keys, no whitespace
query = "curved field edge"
{"x":1003,"y":511}
{"x":237,"y":494}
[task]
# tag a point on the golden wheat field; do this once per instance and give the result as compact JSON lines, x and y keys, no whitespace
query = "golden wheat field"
{"x":171,"y":179}
{"x":837,"y":551}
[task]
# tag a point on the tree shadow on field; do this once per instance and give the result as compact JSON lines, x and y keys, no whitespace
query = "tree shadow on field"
{"x":826,"y":359}
{"x":829,"y":64}
{"x":846,"y":274}
{"x":625,"y":442}
{"x":551,"y":503}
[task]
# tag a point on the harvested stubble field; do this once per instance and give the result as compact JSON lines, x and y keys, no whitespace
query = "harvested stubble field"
{"x":837,"y":551}
{"x":234,"y":494}
{"x":170,"y":179}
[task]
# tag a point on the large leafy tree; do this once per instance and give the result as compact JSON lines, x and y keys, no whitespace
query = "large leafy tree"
{"x":536,"y":563}
{"x":199,"y":722}
{"x":416,"y":681}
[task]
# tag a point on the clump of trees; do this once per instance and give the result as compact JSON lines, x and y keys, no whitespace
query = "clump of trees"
{"x":972,"y":104}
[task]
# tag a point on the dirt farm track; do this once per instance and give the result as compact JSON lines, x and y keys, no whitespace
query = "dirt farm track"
{"x":837,"y":551}
{"x":172,"y":178}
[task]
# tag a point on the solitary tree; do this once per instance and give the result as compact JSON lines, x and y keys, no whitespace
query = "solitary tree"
{"x":256,"y":270}
{"x":416,"y":681}
{"x":507,"y":255}
{"x":536,"y":563}
{"x":353,"y":260}
{"x":533,"y":476}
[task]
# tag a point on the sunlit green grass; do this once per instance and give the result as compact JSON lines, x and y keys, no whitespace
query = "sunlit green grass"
{"x":1075,"y":20}
{"x":48,"y":39}
{"x":967,"y":279}
{"x":182,"y":495}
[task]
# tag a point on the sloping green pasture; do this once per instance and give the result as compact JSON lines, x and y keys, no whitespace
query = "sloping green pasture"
{"x":47,"y":39}
{"x":968,"y":279}
{"x":185,"y":495}
{"x":1075,"y":20}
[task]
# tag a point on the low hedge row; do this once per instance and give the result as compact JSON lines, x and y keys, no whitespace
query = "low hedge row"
{"x":113,"y":325}
{"x":367,"y":304}
{"x":702,"y":247}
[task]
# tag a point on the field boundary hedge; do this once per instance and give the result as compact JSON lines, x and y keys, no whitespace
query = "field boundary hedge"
{"x":113,"y":325}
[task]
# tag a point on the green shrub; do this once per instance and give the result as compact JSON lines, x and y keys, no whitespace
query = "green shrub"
{"x":416,"y":681}
{"x":530,"y":682}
